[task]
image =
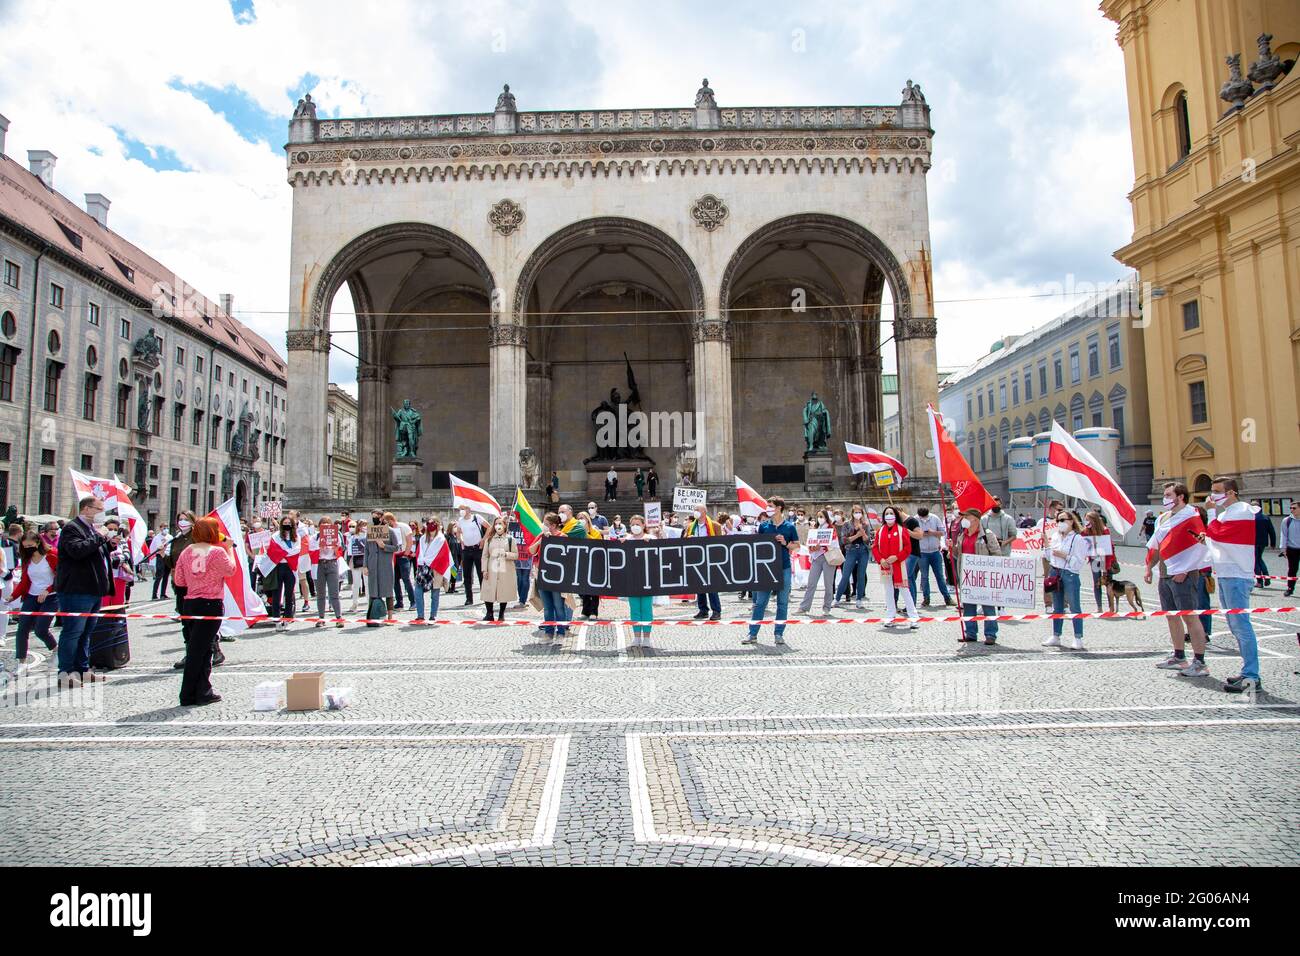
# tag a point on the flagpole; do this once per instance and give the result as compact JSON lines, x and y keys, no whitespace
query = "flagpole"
{"x":956,"y":578}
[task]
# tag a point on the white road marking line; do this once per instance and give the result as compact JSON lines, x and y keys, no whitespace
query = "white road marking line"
{"x":1272,"y":653}
{"x":638,"y":792}
{"x":620,"y":643}
{"x":659,"y":719}
{"x":269,"y":738}
{"x":967,"y":728}
{"x":580,"y":642}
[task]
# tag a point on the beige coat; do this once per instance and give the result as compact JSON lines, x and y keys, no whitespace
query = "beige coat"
{"x":499,"y":583}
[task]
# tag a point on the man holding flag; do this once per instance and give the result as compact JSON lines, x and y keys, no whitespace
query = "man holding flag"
{"x":1176,"y":550}
{"x":1231,"y":543}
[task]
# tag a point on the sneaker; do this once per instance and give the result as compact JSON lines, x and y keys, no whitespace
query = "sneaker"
{"x":1243,"y":685}
{"x":1235,"y":679}
{"x":218,"y":659}
{"x":715,"y":616}
{"x":993,"y":640}
{"x":320,"y":623}
{"x":179,"y":665}
{"x":338,"y":623}
{"x":1053,"y":641}
{"x":1194,"y":668}
{"x":700,"y":615}
{"x":966,"y":640}
{"x":859,"y":606}
{"x":1076,"y":644}
{"x":949,"y":602}
{"x":1172,"y":663}
{"x":750,"y":640}
{"x":779,"y":642}
{"x":913,"y":626}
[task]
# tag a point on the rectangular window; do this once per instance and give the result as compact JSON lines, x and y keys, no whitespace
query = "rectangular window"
{"x":1076,"y":423}
{"x":176,"y":474}
{"x":1015,"y":390}
{"x":1029,"y":385}
{"x":257,"y":393}
{"x":216,"y":371}
{"x":6,"y":451}
{"x":123,"y":405}
{"x":980,"y":400}
{"x":53,"y":375}
{"x":194,"y":499}
{"x":1191,"y":315}
{"x":1112,"y":346}
{"x":159,"y":406}
{"x":87,"y":462}
{"x":1200,"y":410}
{"x":231,"y":383}
{"x":1094,"y":358}
{"x":8,"y":363}
{"x":196,"y":431}
{"x":180,"y":357}
{"x":198,"y":364}
{"x":4,"y":486}
{"x":216,"y":434}
{"x":1042,"y":378}
{"x":1096,"y":419}
{"x":175,"y":501}
{"x":1056,"y":370}
{"x":230,"y":430}
{"x":1074,"y":365}
{"x":56,"y":295}
{"x":178,"y":421}
{"x":45,"y":500}
{"x":90,"y":397}
{"x":92,"y":314}
{"x":119,"y":466}
{"x":13,"y":272}
{"x":1117,"y":416}
{"x":124,"y":328}
{"x":47,"y":457}
{"x":969,"y":414}
{"x":984,"y":465}
{"x":244,"y":387}
{"x":1002,"y":396}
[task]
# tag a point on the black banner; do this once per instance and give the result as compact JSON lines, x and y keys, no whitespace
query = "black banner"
{"x":730,"y":562}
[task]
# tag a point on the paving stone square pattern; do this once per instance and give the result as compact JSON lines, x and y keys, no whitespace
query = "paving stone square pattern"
{"x":475,"y":745}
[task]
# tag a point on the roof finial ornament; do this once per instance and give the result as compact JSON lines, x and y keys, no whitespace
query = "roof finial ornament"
{"x":704,"y":97}
{"x":1268,"y":67}
{"x":1238,"y":89}
{"x":912,"y":94}
{"x":305,"y":109}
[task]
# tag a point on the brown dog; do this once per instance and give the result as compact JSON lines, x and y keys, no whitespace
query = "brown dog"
{"x":1115,"y":589}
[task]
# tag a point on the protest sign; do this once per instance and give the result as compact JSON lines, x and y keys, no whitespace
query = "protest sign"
{"x":653,"y":515}
{"x":651,"y":567}
{"x":992,"y":579}
{"x":688,"y":499}
{"x":821,"y":537}
{"x":328,"y":543}
{"x":257,"y":540}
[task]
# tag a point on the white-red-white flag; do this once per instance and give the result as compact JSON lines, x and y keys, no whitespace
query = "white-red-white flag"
{"x":1231,"y":541}
{"x":241,"y":603}
{"x":277,"y":550}
{"x":116,"y":497}
{"x":436,"y":553}
{"x":471,"y":496}
{"x":1177,"y":542}
{"x":752,"y":504}
{"x":864,"y":458}
{"x":1073,"y":471}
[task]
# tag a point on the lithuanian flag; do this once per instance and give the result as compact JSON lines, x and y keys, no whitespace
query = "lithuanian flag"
{"x":528,"y":521}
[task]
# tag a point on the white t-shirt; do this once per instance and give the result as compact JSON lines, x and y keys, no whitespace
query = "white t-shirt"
{"x":41,"y":576}
{"x":1075,"y":545}
{"x":470,"y":535}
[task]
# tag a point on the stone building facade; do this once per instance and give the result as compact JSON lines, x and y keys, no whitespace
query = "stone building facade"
{"x":341,"y":440}
{"x":111,"y":364}
{"x":1084,"y":369}
{"x":1214,"y":110}
{"x":508,"y":269}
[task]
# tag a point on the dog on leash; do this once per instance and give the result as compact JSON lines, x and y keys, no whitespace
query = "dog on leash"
{"x":1116,"y":589}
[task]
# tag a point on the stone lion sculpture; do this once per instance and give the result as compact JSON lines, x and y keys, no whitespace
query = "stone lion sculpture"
{"x":529,"y":467}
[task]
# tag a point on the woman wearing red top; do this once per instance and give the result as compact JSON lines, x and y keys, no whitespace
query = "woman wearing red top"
{"x":36,"y":590}
{"x":891,"y":550}
{"x":202,"y":569}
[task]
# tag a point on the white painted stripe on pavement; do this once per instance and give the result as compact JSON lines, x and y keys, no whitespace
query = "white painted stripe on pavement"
{"x":967,"y":728}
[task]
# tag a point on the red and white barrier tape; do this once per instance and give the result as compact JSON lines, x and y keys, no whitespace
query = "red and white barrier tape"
{"x":952,"y":618}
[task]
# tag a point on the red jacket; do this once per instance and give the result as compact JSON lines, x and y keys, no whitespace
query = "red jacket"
{"x":890,"y":542}
{"x":25,"y":584}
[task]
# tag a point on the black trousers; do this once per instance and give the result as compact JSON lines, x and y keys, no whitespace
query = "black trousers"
{"x":1292,"y":566}
{"x":471,"y":561}
{"x":199,"y":638}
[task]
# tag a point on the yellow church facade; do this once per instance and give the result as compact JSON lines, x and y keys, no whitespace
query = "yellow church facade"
{"x":1216,"y":235}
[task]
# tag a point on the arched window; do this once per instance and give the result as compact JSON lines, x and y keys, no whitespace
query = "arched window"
{"x":1182,"y":126}
{"x":1201,"y":488}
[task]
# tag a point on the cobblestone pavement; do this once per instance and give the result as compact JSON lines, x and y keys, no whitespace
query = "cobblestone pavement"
{"x":471,"y":745}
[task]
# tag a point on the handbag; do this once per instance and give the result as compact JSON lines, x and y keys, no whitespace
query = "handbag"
{"x":423,"y":577}
{"x":1051,"y":583}
{"x":834,"y":556}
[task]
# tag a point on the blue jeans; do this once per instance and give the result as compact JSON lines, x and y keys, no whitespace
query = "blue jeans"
{"x":41,"y":625}
{"x":1203,"y":603}
{"x":782,"y":606}
{"x":1235,"y":592}
{"x":972,"y":627}
{"x":402,"y":572}
{"x":1069,"y":589}
{"x":853,"y":572}
{"x":435,"y":594}
{"x":554,"y":609}
{"x":74,"y":642}
{"x":710,"y":601}
{"x":925,"y":563}
{"x":521,"y":583}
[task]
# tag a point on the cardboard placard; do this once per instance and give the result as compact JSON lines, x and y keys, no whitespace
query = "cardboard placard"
{"x":688,"y":499}
{"x":328,"y":542}
{"x":821,"y":537}
{"x":991,"y":579}
{"x":257,"y":540}
{"x":270,"y":509}
{"x":882,"y":479}
{"x":653,"y":515}
{"x":379,"y":533}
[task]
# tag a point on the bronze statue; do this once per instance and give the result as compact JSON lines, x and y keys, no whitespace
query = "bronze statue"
{"x":816,"y":424}
{"x":409,"y":430}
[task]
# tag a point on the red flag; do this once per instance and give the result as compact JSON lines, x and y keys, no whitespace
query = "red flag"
{"x":955,"y":470}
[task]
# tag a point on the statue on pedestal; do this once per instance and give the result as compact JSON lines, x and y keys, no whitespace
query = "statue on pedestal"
{"x":816,"y":425}
{"x":408,"y":430}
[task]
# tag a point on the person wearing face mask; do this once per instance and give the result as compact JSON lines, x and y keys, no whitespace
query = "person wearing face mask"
{"x":972,"y":538}
{"x":158,"y":551}
{"x":1231,"y":536}
{"x":284,"y":574}
{"x":590,"y":602}
{"x":1067,"y":551}
{"x":457,"y":554}
{"x":471,"y":559}
{"x":820,"y":569}
{"x":598,"y":520}
{"x":330,"y":544}
{"x":402,"y":565}
{"x":82,"y":579}
{"x":1100,"y":551}
{"x":640,"y":607}
{"x":384,"y":542}
{"x":428,"y":580}
{"x":1176,"y":552}
{"x":927,"y":532}
{"x":892,"y":548}
{"x":499,"y":554}
{"x":787,"y":537}
{"x":708,"y":604}
{"x":181,"y":541}
{"x":1002,"y":525}
{"x":35,"y":592}
{"x":202,"y":569}
{"x":855,"y":542}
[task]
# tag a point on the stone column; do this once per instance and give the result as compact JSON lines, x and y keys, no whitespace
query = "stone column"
{"x":918,"y":385}
{"x":508,"y":383}
{"x":868,"y":372}
{"x":537,"y":430}
{"x":712,"y":378}
{"x":307,"y":474}
{"x":374,"y":460}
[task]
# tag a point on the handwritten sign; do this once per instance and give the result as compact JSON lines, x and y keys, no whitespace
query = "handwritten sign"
{"x":883,"y":479}
{"x":1028,"y":539}
{"x":688,"y":499}
{"x":653,"y":515}
{"x":257,"y":540}
{"x":998,"y":581}
{"x":821,"y":537}
{"x":649,"y":567}
{"x":379,"y":533}
{"x":329,"y":542}
{"x":270,"y":509}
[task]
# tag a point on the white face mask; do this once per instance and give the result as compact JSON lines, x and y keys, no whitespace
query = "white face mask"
{"x":499,"y":529}
{"x":464,"y":513}
{"x":1063,"y":524}
{"x":889,"y":519}
{"x":1218,"y":498}
{"x":965,"y":523}
{"x":1168,"y":502}
{"x":636,"y":530}
{"x":857,"y":516}
{"x":183,"y":525}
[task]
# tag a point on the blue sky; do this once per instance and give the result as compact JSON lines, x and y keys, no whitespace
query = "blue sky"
{"x":184,"y":130}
